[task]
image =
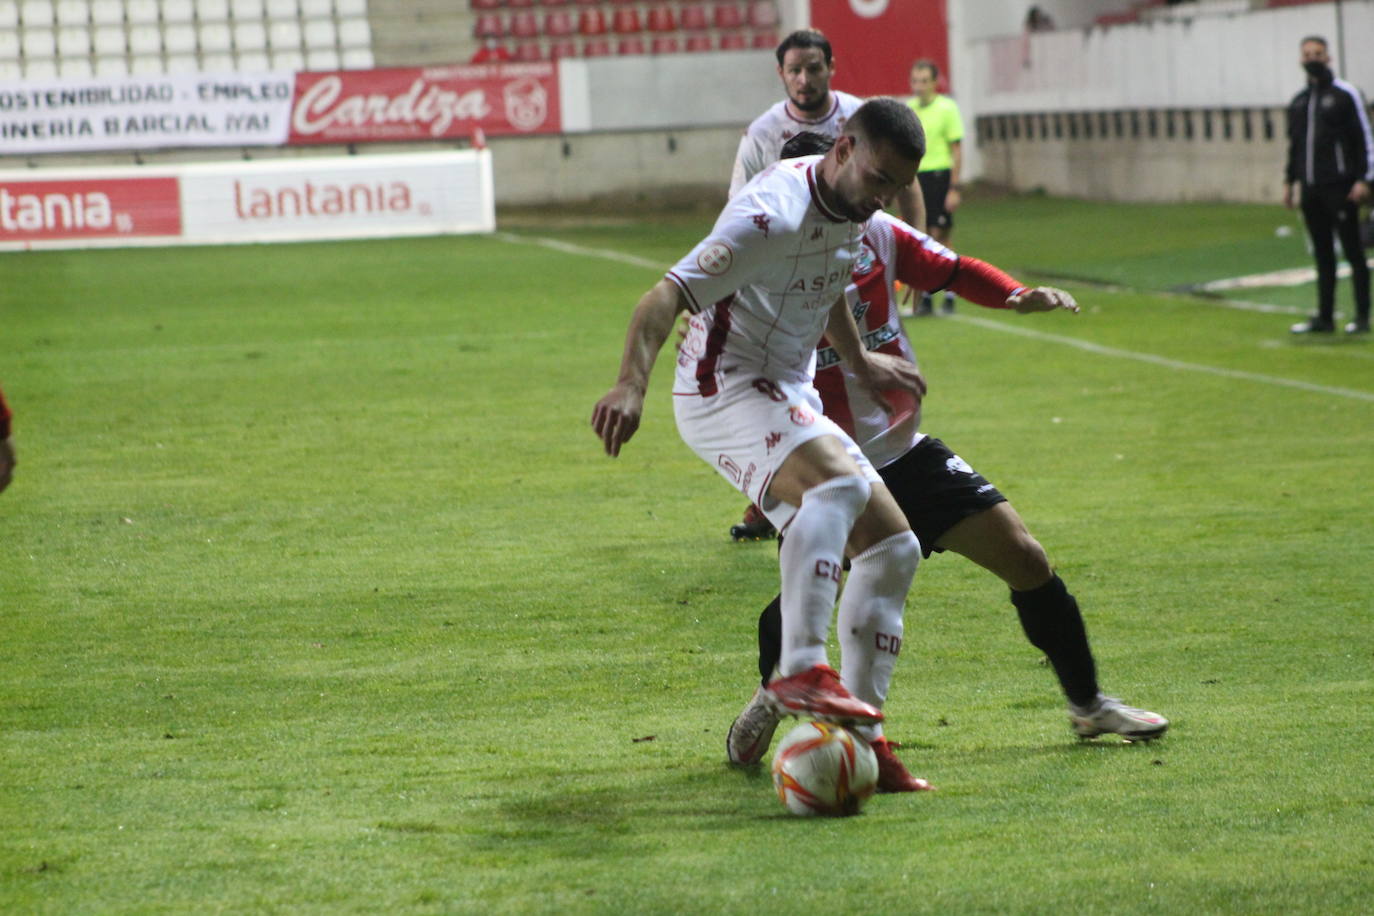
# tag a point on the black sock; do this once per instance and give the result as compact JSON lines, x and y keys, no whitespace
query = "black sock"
{"x":770,"y":639}
{"x":1050,"y":617}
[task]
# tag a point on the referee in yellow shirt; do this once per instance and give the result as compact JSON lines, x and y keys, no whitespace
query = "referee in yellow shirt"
{"x":939,"y":172}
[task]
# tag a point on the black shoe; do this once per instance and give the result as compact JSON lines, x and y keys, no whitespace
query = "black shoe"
{"x":1313,"y":325}
{"x":948,"y":308}
{"x":755,"y":526}
{"x":1358,"y":326}
{"x":923,"y":308}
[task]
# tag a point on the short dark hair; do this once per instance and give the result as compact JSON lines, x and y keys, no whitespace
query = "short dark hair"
{"x":806,"y":143}
{"x":927,"y":64}
{"x":804,"y":38}
{"x":1317,"y":38}
{"x":886,"y":120}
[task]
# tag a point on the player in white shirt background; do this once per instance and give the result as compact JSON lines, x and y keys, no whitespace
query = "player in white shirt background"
{"x":949,"y":505}
{"x":761,"y":289}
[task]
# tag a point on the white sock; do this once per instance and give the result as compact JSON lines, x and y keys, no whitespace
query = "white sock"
{"x":870,"y":621}
{"x":811,"y":558}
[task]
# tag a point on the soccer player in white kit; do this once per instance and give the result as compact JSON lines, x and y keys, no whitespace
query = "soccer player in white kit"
{"x":949,"y":505}
{"x":761,"y":289}
{"x":806,"y":66}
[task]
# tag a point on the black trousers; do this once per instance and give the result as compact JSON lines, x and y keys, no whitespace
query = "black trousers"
{"x":1329,"y":213}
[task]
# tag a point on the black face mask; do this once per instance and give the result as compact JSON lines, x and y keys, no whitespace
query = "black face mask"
{"x":1316,"y":69}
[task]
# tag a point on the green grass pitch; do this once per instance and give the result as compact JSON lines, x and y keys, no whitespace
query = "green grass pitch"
{"x":317,"y":594}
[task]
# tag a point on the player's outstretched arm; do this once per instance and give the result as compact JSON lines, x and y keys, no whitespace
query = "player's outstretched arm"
{"x":1041,"y":299}
{"x":616,"y":416}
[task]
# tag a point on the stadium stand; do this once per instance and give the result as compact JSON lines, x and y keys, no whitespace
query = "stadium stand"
{"x":46,"y":38}
{"x":596,"y":28}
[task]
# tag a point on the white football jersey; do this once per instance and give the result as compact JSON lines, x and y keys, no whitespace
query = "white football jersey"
{"x":762,"y":284}
{"x":762,"y":143}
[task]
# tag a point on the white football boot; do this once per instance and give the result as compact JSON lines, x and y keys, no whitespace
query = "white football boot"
{"x":752,"y":730}
{"x":1108,"y":715}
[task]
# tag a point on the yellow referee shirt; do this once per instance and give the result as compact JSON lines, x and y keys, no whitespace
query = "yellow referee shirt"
{"x":943,"y":126}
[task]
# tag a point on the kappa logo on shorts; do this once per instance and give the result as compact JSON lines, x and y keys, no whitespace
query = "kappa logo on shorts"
{"x":817,"y":233}
{"x":956,"y":465}
{"x":771,"y":440}
{"x":801,"y":416}
{"x":715,"y":259}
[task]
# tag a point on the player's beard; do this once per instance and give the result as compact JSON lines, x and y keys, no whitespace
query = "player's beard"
{"x":813,"y":106}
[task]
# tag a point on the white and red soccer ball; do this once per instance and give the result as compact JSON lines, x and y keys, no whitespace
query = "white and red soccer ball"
{"x":824,"y":769}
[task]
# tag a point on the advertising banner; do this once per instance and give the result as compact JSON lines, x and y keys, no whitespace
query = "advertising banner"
{"x":296,"y":199}
{"x":144,"y":112}
{"x":876,"y":41}
{"x":431,"y":103}
{"x":338,"y":197}
{"x":76,"y":208}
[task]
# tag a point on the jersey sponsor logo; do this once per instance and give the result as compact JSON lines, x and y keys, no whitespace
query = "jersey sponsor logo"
{"x":827,"y":357}
{"x":800,"y":416}
{"x":761,"y":223}
{"x":817,"y":284}
{"x":956,"y":465}
{"x":715,"y":259}
{"x":771,"y":440}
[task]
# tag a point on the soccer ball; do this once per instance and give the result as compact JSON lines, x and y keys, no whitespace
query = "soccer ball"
{"x":820,"y":768}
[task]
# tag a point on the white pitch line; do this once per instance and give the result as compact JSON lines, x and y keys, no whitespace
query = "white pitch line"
{"x":1293,"y":276}
{"x":570,"y":248}
{"x":610,"y":255}
{"x":1168,"y":363}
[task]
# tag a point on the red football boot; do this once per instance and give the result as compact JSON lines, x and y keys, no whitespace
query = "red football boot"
{"x":892,"y":776}
{"x":818,"y":693}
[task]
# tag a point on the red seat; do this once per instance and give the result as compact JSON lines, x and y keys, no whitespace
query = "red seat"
{"x":555,"y":2}
{"x":591,"y":22}
{"x":524,"y":25}
{"x":733,"y":41}
{"x":489,"y":25}
{"x":588,"y":2}
{"x":694,"y":18}
{"x":562,"y":48}
{"x":626,"y":21}
{"x":661,"y":18}
{"x":597,"y":47}
{"x":487,"y":4}
{"x":763,"y":14}
{"x":520,"y":4}
{"x":665,"y":44}
{"x":630,"y":46}
{"x":528,"y":51}
{"x":765,"y":40}
{"x":558,"y":23}
{"x":699,"y":42}
{"x":727,"y":16}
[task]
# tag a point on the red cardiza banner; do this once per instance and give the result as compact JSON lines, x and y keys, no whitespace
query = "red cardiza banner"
{"x":429,"y":103}
{"x":876,"y":41}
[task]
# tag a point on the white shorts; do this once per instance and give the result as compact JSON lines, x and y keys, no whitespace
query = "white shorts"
{"x":749,"y":427}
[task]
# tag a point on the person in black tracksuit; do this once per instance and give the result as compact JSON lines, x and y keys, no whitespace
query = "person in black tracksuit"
{"x":1331,"y":163}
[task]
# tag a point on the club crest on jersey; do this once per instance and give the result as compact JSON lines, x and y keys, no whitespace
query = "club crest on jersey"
{"x":800,"y":416}
{"x":715,"y":259}
{"x":863,"y":264}
{"x":761,"y":222}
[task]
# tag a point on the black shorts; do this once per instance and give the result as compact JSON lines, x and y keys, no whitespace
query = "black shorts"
{"x":936,"y":489}
{"x":934,"y":189}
